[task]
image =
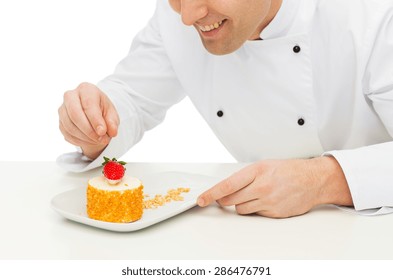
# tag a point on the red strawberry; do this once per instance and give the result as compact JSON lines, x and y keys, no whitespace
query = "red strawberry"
{"x":113,"y":170}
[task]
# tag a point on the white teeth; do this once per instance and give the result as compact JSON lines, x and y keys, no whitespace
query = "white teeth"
{"x":207,"y":28}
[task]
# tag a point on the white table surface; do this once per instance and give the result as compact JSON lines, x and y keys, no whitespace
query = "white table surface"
{"x":31,"y":229}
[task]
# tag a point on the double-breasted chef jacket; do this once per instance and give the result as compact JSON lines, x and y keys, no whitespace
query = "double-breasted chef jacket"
{"x":320,"y":82}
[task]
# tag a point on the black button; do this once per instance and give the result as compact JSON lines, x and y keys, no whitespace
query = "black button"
{"x":296,"y":49}
{"x":220,"y":113}
{"x":300,"y":121}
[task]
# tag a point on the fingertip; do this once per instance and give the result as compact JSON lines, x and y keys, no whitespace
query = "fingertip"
{"x":104,"y":140}
{"x":100,"y":130}
{"x":112,"y":128}
{"x":201,"y":202}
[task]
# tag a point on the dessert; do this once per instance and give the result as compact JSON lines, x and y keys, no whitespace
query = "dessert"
{"x":113,"y":197}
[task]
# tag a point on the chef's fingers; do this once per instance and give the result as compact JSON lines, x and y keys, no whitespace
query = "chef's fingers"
{"x":111,"y":118}
{"x":72,"y":133}
{"x":68,"y":128}
{"x":76,"y":114}
{"x":91,"y":151}
{"x":243,"y":195}
{"x":92,"y":100}
{"x":250,"y":207}
{"x":232,"y":184}
{"x":71,"y":138}
{"x":83,"y":143}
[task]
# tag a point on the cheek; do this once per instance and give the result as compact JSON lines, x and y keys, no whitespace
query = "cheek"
{"x":176,"y":5}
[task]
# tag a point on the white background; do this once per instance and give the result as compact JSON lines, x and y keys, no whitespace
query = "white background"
{"x":48,"y":47}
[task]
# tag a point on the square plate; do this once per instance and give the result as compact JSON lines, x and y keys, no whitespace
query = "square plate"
{"x":72,"y":204}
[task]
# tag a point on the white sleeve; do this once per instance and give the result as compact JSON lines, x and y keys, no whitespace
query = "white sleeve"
{"x":142,"y":88}
{"x":369,"y":170}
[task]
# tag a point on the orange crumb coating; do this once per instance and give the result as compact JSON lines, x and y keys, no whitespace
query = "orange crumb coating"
{"x":115,"y":206}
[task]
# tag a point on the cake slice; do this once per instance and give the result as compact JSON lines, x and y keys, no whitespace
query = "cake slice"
{"x":115,"y":199}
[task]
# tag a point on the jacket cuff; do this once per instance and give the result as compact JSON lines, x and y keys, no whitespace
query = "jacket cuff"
{"x":368,"y":173}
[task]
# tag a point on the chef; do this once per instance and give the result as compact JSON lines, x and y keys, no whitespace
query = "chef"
{"x":303,"y":89}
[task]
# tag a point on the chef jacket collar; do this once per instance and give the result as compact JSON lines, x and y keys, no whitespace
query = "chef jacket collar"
{"x":283,"y":22}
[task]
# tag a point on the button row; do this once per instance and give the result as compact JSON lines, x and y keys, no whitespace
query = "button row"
{"x":300,"y":121}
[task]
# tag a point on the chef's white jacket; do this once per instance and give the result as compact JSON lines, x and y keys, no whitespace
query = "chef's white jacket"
{"x":319,"y":83}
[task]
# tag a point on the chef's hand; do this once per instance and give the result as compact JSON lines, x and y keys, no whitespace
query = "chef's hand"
{"x":87,"y":118}
{"x":282,"y":188}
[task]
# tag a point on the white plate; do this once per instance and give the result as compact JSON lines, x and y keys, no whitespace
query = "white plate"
{"x":72,"y":204}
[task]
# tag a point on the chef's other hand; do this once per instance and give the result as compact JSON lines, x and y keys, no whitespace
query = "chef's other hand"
{"x":282,"y":188}
{"x":88,"y":119}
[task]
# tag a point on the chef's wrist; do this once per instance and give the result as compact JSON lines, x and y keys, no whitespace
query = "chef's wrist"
{"x":333,"y":186}
{"x":83,"y":157}
{"x":92,"y":152}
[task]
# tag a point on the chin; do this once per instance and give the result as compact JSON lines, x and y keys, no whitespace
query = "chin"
{"x":218,"y":50}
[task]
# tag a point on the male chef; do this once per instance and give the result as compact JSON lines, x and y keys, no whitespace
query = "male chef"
{"x":302,"y":89}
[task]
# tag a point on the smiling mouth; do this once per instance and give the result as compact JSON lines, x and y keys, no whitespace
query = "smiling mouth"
{"x":207,"y":28}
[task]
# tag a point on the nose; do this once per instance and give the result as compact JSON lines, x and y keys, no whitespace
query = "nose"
{"x":193,"y":10}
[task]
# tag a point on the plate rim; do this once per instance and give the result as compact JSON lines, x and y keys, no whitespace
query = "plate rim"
{"x":125,"y":227}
